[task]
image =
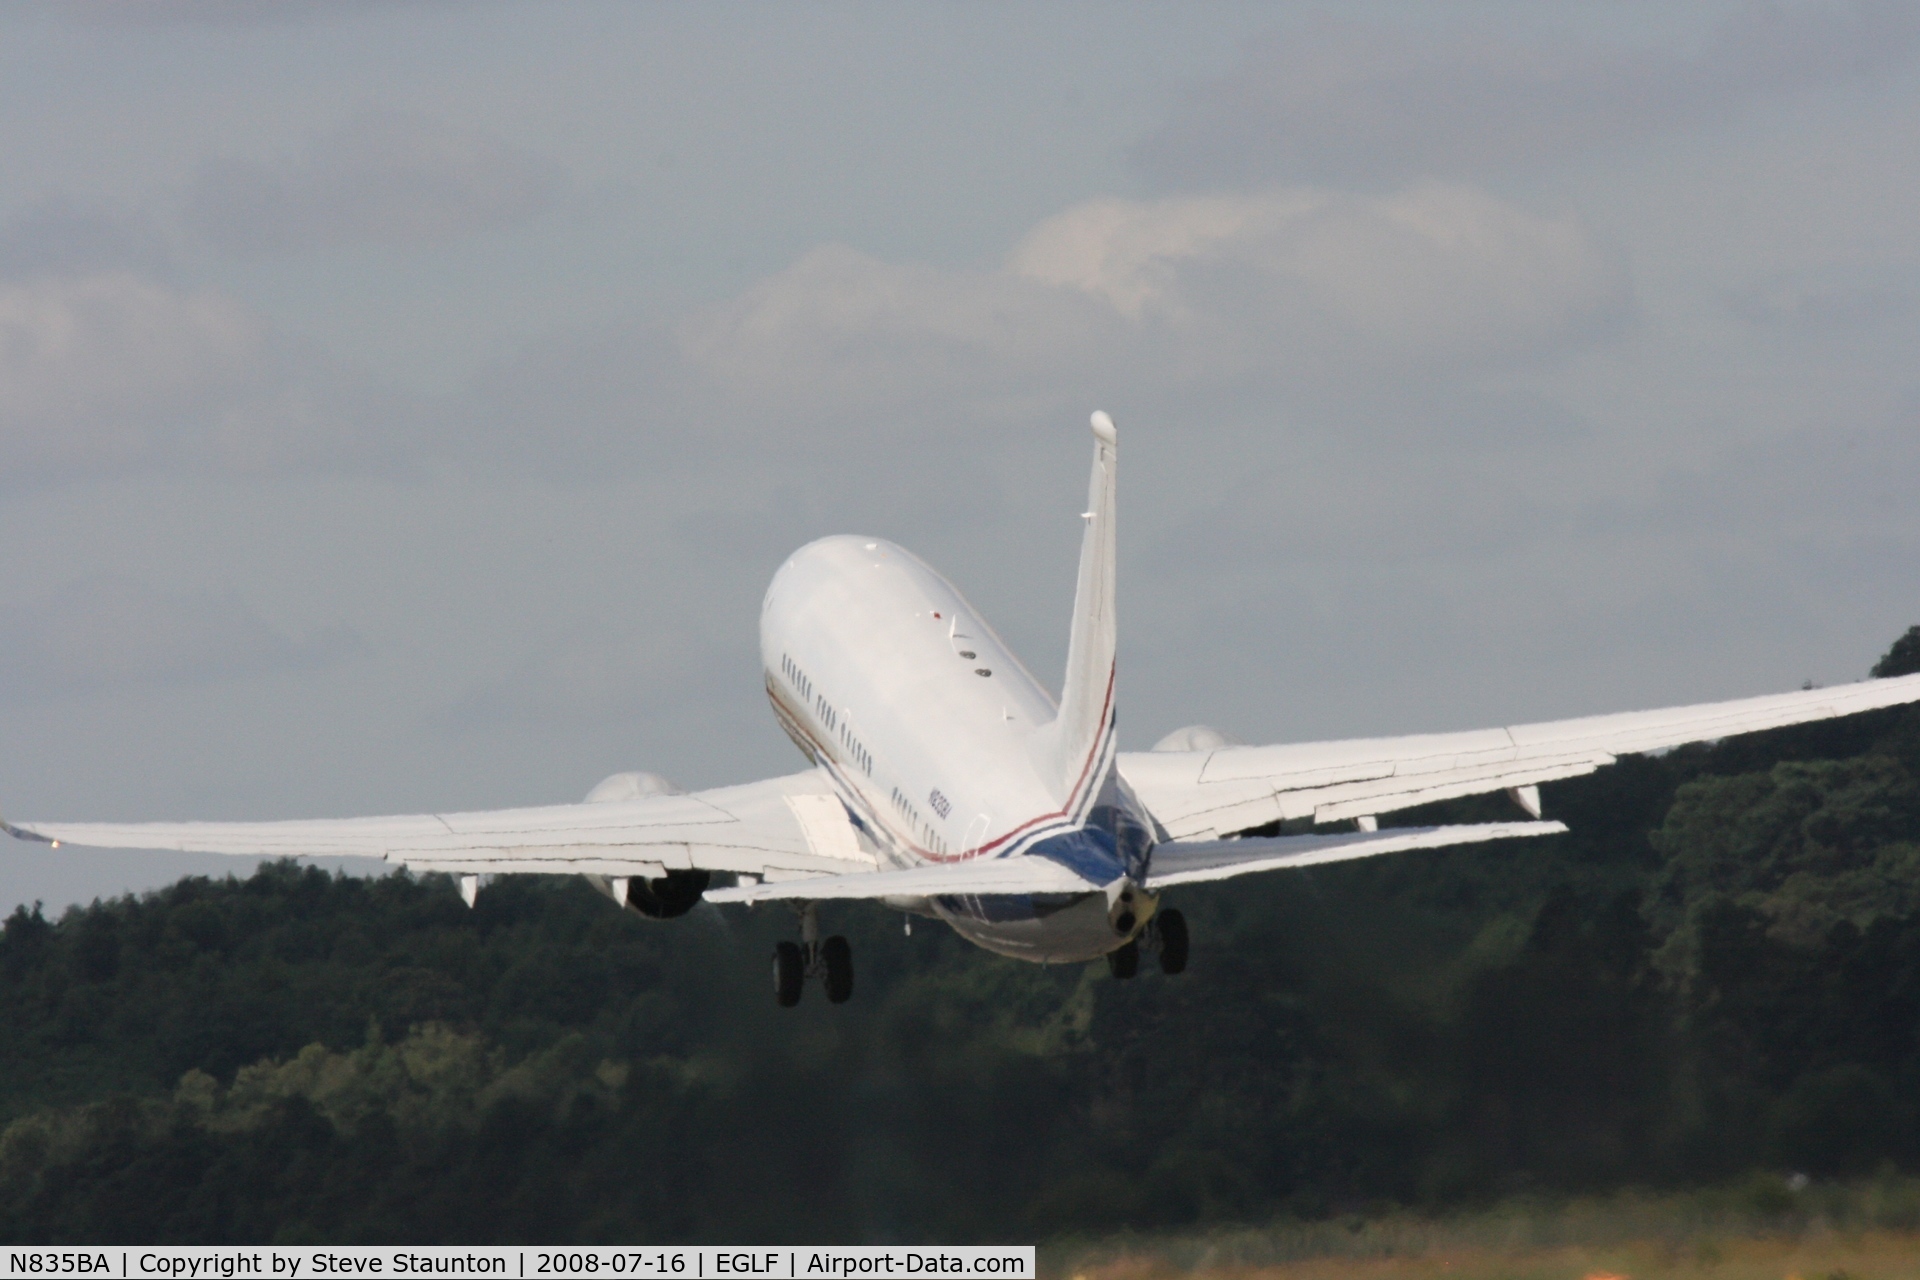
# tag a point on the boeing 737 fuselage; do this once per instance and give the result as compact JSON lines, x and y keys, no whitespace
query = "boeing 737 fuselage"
{"x":936,"y":737}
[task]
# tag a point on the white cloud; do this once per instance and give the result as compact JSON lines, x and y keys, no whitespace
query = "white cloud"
{"x":1436,"y":269}
{"x":107,"y":371}
{"x":842,"y":325}
{"x":383,"y":178}
{"x":1294,"y":282}
{"x":112,"y":632}
{"x":91,"y":364}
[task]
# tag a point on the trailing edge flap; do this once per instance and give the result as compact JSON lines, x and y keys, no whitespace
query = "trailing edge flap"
{"x":1185,"y":863}
{"x":974,"y":876}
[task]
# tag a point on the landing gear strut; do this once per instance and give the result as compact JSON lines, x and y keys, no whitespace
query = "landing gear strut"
{"x":793,"y":963}
{"x":1166,"y":934}
{"x":1170,"y":931}
{"x":789,"y":971}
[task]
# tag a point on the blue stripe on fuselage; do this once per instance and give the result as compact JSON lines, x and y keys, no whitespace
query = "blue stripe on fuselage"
{"x":1089,"y":853}
{"x":1006,"y":908}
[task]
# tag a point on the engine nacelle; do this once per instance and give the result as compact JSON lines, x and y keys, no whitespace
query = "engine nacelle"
{"x":664,"y":897}
{"x":1196,"y":737}
{"x":661,"y":897}
{"x":656,"y":897}
{"x":632,"y":786}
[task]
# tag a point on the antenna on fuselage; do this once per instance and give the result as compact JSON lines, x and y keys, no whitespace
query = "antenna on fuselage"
{"x":1079,"y":743}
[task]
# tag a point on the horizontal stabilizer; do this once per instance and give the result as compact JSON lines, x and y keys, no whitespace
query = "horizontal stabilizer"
{"x":975,"y":876}
{"x":1220,"y":859}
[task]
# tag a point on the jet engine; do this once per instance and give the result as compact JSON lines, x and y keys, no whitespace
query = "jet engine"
{"x":632,"y":786}
{"x":660,"y":897}
{"x":1196,"y":737}
{"x":664,"y":897}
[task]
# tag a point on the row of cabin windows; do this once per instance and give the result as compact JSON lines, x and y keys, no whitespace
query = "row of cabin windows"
{"x":928,"y":836}
{"x":858,"y":752}
{"x":796,"y":677}
{"x":828,"y":716}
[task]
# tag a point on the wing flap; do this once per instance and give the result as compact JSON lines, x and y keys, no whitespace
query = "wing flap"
{"x":1196,"y":861}
{"x":1406,"y":791}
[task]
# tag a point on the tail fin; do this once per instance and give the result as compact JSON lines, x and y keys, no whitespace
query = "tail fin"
{"x":1079,"y":745}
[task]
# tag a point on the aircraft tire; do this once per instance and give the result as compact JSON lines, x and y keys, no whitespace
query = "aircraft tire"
{"x":1124,"y":962}
{"x":789,"y":974}
{"x":839,"y":961}
{"x":1173,"y":941}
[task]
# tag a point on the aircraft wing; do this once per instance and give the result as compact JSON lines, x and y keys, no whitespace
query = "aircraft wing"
{"x":1173,"y":863}
{"x":1202,"y":794}
{"x":787,"y":826}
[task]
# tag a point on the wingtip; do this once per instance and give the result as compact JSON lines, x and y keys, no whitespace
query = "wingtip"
{"x":1103,"y":428}
{"x":22,"y":833}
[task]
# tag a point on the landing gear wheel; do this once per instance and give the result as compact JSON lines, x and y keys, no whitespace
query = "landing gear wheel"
{"x":1173,"y":941}
{"x":838,"y":958}
{"x":1124,"y":962}
{"x":789,"y":973}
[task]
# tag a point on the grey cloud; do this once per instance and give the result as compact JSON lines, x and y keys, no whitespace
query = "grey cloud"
{"x":59,"y":237}
{"x":1820,"y":305}
{"x":1343,"y":100}
{"x":230,"y":13}
{"x":1831,"y":484}
{"x":595,"y":679}
{"x":110,"y":371}
{"x":385,"y":178}
{"x":582,"y":401}
{"x":1484,"y":587}
{"x":109,"y":633}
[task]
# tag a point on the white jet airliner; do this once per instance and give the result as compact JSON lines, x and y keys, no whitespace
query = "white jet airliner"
{"x":944,"y":780}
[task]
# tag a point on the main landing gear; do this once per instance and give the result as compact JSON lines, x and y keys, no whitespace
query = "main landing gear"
{"x":795,"y":962}
{"x":1166,"y":933}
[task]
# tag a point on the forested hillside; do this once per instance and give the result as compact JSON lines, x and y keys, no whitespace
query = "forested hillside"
{"x":1717,"y":970}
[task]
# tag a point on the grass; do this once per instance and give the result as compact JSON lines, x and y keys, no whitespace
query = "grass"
{"x":1765,"y":1227}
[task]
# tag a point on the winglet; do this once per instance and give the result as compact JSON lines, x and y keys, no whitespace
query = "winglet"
{"x":1080,"y":744}
{"x":21,"y":833}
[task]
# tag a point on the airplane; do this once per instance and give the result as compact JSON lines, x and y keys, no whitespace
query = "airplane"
{"x":945,"y":781}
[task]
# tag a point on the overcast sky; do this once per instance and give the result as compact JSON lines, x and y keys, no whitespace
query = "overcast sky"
{"x":404,"y":405}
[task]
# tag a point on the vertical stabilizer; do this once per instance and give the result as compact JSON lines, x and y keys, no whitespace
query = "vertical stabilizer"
{"x":1079,"y":743}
